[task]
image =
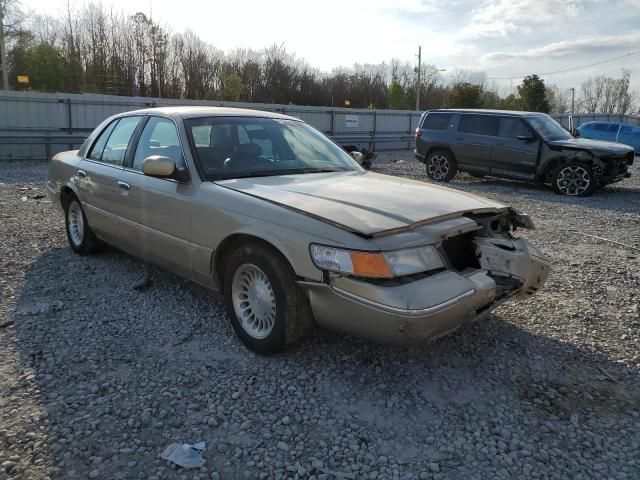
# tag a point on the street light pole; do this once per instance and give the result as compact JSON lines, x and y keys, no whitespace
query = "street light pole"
{"x":418,"y":82}
{"x":3,"y":51}
{"x":573,"y":97}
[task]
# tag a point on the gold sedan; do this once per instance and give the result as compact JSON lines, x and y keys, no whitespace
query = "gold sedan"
{"x":288,"y":226}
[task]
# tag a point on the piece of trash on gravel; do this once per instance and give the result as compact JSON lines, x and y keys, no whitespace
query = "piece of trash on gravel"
{"x":142,"y":283}
{"x":185,"y":455}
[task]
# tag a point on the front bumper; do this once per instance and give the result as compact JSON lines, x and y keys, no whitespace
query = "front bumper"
{"x":613,"y":169}
{"x":421,"y":310}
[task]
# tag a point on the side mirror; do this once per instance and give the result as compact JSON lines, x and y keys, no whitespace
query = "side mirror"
{"x":359,"y":157}
{"x":526,"y":138}
{"x":158,"y":166}
{"x":577,"y":133}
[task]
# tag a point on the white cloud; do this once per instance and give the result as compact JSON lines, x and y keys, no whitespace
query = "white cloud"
{"x":583,"y":46}
{"x":501,"y":18}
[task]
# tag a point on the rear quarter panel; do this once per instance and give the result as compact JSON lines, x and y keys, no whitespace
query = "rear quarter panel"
{"x":62,"y":173}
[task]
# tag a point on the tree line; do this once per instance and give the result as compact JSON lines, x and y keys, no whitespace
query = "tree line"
{"x":92,"y":49}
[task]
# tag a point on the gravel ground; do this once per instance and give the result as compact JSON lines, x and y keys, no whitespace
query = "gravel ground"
{"x":97,"y":377}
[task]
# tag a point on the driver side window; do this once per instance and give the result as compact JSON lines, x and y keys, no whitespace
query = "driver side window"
{"x":159,"y":137}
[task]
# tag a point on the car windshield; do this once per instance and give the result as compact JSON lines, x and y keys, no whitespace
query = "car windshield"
{"x":549,"y":128}
{"x":238,"y":147}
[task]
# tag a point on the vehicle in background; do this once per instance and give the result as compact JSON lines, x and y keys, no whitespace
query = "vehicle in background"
{"x":287,"y":225}
{"x":517,"y":145}
{"x":363,"y":156}
{"x":613,"y":132}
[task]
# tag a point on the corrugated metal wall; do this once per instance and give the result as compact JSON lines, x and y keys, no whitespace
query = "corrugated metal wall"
{"x":58,"y":113}
{"x":45,"y":113}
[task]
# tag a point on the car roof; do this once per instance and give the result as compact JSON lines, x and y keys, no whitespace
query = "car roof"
{"x":485,"y":111}
{"x":202,"y":111}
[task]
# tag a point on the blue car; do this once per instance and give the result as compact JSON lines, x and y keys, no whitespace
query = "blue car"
{"x":613,"y":132}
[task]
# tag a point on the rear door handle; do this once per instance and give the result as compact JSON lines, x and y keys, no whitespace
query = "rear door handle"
{"x":82,"y":173}
{"x":124,"y":185}
{"x":459,"y":138}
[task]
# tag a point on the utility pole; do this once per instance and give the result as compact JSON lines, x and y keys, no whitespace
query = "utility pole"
{"x":573,"y":98}
{"x":418,"y":82}
{"x":3,"y":50}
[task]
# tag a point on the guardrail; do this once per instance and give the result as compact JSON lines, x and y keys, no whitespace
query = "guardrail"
{"x":47,"y":141}
{"x":74,"y":140}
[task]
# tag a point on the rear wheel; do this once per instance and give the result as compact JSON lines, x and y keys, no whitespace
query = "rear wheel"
{"x":266,"y":307}
{"x":81,"y":238}
{"x":441,"y":166}
{"x":574,"y":179}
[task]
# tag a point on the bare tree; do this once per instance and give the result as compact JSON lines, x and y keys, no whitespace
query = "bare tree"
{"x":559,"y":99}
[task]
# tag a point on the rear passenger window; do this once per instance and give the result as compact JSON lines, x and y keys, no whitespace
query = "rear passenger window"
{"x":436,"y":121}
{"x":201,"y":135}
{"x":116,"y":147}
{"x":98,"y":146}
{"x":479,"y":124}
{"x":511,"y":127}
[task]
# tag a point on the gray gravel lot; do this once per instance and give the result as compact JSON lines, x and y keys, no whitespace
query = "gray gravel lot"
{"x":97,"y":378}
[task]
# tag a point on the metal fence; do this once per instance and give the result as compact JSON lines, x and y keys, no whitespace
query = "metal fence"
{"x":580,"y":118}
{"x":38,"y":125}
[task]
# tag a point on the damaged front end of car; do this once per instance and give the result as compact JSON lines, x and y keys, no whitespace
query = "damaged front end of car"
{"x":480,"y":264}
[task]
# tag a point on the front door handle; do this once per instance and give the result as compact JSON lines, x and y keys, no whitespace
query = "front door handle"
{"x":459,"y":138}
{"x":82,"y":173}
{"x":124,"y":185}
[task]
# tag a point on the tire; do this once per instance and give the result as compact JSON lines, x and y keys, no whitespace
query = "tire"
{"x":259,"y":285}
{"x":81,"y":238}
{"x":441,"y":166}
{"x":574,"y":179}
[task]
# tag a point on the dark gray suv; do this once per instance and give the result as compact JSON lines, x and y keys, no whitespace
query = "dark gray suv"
{"x":518,"y":145}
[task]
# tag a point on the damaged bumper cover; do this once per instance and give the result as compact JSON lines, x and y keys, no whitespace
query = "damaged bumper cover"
{"x":418,"y":310}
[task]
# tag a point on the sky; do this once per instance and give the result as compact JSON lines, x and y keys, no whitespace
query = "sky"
{"x":504,"y":38}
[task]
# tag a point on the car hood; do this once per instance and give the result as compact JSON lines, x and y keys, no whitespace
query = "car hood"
{"x":596,"y":147}
{"x":364,"y":202}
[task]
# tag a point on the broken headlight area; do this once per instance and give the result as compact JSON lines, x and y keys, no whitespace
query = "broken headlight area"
{"x":503,"y":223}
{"x":511,"y":262}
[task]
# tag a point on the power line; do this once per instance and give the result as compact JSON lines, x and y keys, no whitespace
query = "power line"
{"x":570,"y":69}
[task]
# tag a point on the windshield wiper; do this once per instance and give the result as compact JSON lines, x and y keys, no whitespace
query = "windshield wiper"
{"x":317,"y":170}
{"x":231,"y":176}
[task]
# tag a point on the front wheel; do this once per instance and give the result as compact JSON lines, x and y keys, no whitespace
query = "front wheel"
{"x":574,"y":179}
{"x":441,"y":166}
{"x":81,"y":238}
{"x":266,"y":307}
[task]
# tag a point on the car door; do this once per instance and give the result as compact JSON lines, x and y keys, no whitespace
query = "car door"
{"x":97,"y":177}
{"x":475,"y":141}
{"x":157,"y":210}
{"x":630,"y":135}
{"x":516,"y":149}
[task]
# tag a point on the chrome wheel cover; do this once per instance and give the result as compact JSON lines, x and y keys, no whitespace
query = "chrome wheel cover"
{"x":438,"y":167}
{"x":573,"y":180}
{"x":75,"y":223}
{"x":254,"y":301}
